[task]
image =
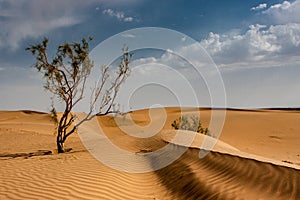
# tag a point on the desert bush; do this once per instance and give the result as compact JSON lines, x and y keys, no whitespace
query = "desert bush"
{"x":191,"y":123}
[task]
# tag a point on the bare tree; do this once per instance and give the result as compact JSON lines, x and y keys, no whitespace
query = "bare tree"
{"x":66,"y":75}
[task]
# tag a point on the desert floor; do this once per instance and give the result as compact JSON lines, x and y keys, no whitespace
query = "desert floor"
{"x":257,"y":157}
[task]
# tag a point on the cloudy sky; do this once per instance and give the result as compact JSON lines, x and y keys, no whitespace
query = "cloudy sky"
{"x":254,"y":44}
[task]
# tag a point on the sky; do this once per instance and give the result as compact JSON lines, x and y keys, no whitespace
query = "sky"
{"x":254,"y":46}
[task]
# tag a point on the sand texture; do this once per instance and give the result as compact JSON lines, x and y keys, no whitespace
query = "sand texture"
{"x":256,"y":157}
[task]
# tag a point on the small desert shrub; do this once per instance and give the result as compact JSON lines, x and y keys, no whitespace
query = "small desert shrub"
{"x":191,"y":123}
{"x":54,"y":118}
{"x":53,"y":115}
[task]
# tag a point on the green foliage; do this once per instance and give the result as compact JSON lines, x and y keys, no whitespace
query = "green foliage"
{"x":191,"y":123}
{"x":54,"y":117}
{"x":66,"y":72}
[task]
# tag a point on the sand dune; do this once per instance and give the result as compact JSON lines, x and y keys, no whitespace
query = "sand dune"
{"x":239,"y":167}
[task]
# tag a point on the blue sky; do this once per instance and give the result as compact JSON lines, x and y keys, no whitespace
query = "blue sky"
{"x":255,"y":44}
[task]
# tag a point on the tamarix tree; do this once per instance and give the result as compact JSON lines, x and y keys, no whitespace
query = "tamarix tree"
{"x":66,"y":75}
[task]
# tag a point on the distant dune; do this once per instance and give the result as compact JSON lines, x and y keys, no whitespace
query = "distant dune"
{"x":256,"y":157}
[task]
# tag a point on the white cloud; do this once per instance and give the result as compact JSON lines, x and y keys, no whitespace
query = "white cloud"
{"x":21,"y":19}
{"x":128,"y":19}
{"x":112,"y":13}
{"x":285,"y":12}
{"x":128,"y":35}
{"x":168,"y":58}
{"x":285,"y":5}
{"x":259,"y":45}
{"x":117,"y":14}
{"x":142,"y":61}
{"x":259,"y":7}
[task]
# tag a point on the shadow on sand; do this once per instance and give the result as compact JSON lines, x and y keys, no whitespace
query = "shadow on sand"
{"x":180,"y":180}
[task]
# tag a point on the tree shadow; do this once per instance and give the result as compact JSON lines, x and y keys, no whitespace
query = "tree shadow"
{"x":25,"y":155}
{"x":6,"y":156}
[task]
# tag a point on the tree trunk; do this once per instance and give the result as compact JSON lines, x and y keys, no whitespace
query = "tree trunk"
{"x":60,"y":147}
{"x":59,"y":143}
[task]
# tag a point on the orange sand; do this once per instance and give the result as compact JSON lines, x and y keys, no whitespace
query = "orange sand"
{"x":247,"y":162}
